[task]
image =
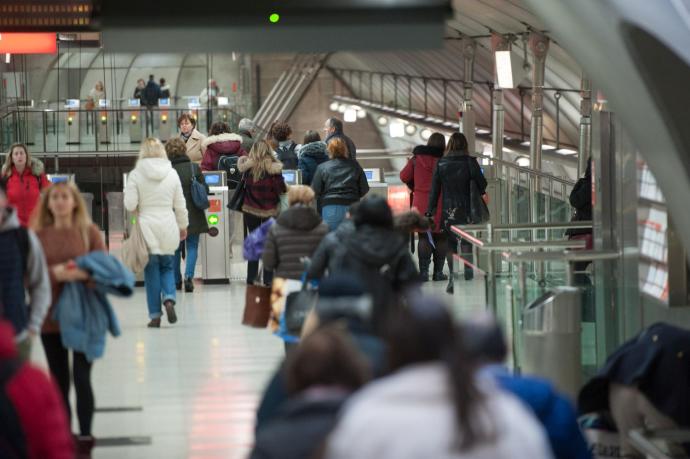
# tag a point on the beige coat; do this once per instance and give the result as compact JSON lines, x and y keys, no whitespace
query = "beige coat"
{"x":194,"y":146}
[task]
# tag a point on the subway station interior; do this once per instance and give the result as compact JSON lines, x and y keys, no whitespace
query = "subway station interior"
{"x":545,"y":92}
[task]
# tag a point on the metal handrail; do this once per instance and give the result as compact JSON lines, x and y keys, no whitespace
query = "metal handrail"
{"x":573,"y":244}
{"x":527,"y":170}
{"x":525,"y":226}
{"x":566,"y":255}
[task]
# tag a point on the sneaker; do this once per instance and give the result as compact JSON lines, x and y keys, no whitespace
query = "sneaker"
{"x":154,"y":323}
{"x":188,"y":285}
{"x":440,"y":277}
{"x":170,"y":311}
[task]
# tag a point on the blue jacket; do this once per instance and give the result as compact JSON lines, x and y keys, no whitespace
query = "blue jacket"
{"x":555,"y":412}
{"x":85,"y":314}
{"x":311,"y":155}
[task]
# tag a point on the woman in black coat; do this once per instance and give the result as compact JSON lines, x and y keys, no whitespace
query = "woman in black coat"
{"x":186,"y":169}
{"x":452,"y":177}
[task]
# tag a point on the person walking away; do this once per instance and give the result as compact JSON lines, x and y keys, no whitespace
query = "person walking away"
{"x":149,"y":98}
{"x":311,"y":155}
{"x":139,"y":90}
{"x":378,"y":254}
{"x":165,"y":89}
{"x":338,"y":183}
{"x":35,"y":425}
{"x":451,"y":180}
{"x":295,"y":235}
{"x":23,"y":270}
{"x":66,"y":232}
{"x":192,"y":138}
{"x":263,"y":187}
{"x":186,"y":170}
{"x":334,"y":130}
{"x":327,"y":254}
{"x":25,"y":178}
{"x":324,"y":370}
{"x":287,"y":148}
{"x":221,"y":142}
{"x":246,"y":129}
{"x":154,"y":194}
{"x":417,"y":175}
{"x":432,"y":405}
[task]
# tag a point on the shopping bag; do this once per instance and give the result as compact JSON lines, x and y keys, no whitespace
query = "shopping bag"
{"x":257,"y":306}
{"x":134,"y":252}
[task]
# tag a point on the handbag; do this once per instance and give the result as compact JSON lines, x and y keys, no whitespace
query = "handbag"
{"x":297,"y":307}
{"x":479,"y":212}
{"x":257,"y":305}
{"x":134,"y":252}
{"x":237,"y":200}
{"x":199,"y":195}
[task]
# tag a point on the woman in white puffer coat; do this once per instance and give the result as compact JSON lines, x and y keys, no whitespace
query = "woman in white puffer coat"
{"x":154,"y":193}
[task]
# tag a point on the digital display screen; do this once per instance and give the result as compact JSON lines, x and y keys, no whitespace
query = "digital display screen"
{"x":212,"y":179}
{"x":289,"y":176}
{"x":72,"y":103}
{"x":134,"y":103}
{"x":58,"y":178}
{"x":104,"y":103}
{"x":164,"y":102}
{"x":223,"y":102}
{"x":193,"y":102}
{"x":369,"y":174}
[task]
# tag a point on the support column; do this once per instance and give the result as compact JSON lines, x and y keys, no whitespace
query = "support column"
{"x":467,"y":123}
{"x":539,"y":45}
{"x":498,"y":43}
{"x":585,"y":147}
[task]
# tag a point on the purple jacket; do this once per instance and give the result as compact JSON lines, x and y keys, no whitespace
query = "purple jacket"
{"x":255,"y":241}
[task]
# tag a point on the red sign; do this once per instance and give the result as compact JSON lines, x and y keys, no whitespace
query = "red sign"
{"x":234,"y":87}
{"x":28,"y":43}
{"x":214,"y":205}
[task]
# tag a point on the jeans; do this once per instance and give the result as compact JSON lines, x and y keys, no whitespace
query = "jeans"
{"x":333,"y":215}
{"x":192,"y":247}
{"x":159,"y":281}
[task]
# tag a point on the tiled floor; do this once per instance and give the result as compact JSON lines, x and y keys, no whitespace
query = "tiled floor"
{"x":193,"y":387}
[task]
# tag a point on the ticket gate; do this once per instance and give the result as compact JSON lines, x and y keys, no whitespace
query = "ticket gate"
{"x":135,"y":131}
{"x":292,"y":177}
{"x":72,"y":122}
{"x":215,"y":245}
{"x":165,"y":120}
{"x":377,"y":182}
{"x":26,"y":122}
{"x":57,"y":178}
{"x":104,"y":122}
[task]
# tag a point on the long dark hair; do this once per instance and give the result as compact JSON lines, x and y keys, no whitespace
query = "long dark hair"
{"x":457,"y":142}
{"x":424,"y":332}
{"x":437,"y":140}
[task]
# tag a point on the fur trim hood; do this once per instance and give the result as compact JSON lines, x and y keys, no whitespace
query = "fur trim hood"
{"x":37,"y":168}
{"x":245,"y":163}
{"x":221,"y":138}
{"x":425,"y":150}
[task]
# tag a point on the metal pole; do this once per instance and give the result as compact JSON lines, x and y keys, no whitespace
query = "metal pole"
{"x":585,"y":147}
{"x":395,"y":91}
{"x":539,"y":45}
{"x":445,"y":102}
{"x":498,"y":127}
{"x":426,"y":98}
{"x":409,"y":95}
{"x":467,"y":123}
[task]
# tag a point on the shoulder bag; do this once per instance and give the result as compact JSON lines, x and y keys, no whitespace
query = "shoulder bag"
{"x":134,"y":252}
{"x":257,"y":304}
{"x":297,"y":307}
{"x":198,"y":191}
{"x":237,"y":199}
{"x":479,"y":212}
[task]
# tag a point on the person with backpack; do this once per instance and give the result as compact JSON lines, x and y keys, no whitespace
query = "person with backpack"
{"x":23,"y":269}
{"x":33,"y":422}
{"x":165,"y":89}
{"x":312,"y":153}
{"x":287,"y":149}
{"x":379,"y":256}
{"x":188,"y":171}
{"x":25,"y":178}
{"x":221,"y":151}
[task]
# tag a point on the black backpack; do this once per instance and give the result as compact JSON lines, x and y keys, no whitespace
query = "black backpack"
{"x":12,"y":439}
{"x":288,"y":157}
{"x":232,"y":173}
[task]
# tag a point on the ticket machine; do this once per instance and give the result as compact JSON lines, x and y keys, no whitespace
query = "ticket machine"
{"x":215,"y":245}
{"x":104,"y":122}
{"x":165,"y":121}
{"x":292,"y":177}
{"x":377,"y":182}
{"x":135,"y":132}
{"x":72,"y":121}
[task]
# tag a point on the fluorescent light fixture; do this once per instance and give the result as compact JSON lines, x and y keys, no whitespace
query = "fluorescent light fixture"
{"x":7,"y":58}
{"x":234,"y":56}
{"x":548,"y":147}
{"x":483,"y":131}
{"x":410,"y":129}
{"x":566,"y":151}
{"x":361,"y":114}
{"x":334,"y":106}
{"x":522,"y":162}
{"x":382,"y":120}
{"x":504,"y":69}
{"x":350,"y":115}
{"x":526,"y":143}
{"x":342,"y":108}
{"x":397,"y":129}
{"x":425,"y":134}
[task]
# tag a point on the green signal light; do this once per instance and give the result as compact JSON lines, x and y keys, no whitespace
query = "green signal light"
{"x":134,"y":220}
{"x":274,"y":18}
{"x":213,"y":219}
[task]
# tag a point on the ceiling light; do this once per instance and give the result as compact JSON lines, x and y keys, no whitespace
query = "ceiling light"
{"x":334,"y":106}
{"x":566,"y":151}
{"x":342,"y":108}
{"x":382,"y":120}
{"x":483,"y":131}
{"x":548,"y":147}
{"x":425,"y":134}
{"x":504,"y":69}
{"x":350,"y":115}
{"x":526,"y":143}
{"x":361,"y":114}
{"x":410,"y":129}
{"x":397,"y":129}
{"x":522,"y":161}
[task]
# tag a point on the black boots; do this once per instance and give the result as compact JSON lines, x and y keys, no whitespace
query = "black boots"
{"x":439,"y":276}
{"x":188,"y":285}
{"x":450,"y":289}
{"x":84,"y":445}
{"x":170,"y":311}
{"x":424,"y":269}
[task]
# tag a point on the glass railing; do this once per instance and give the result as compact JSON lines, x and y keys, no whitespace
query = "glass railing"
{"x":101,"y":130}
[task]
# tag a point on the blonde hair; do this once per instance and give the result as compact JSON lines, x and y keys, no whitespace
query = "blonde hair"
{"x":7,"y":167}
{"x":43,"y":217}
{"x":337,"y":148}
{"x":261,"y":155}
{"x":300,"y":194}
{"x":152,"y":148}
